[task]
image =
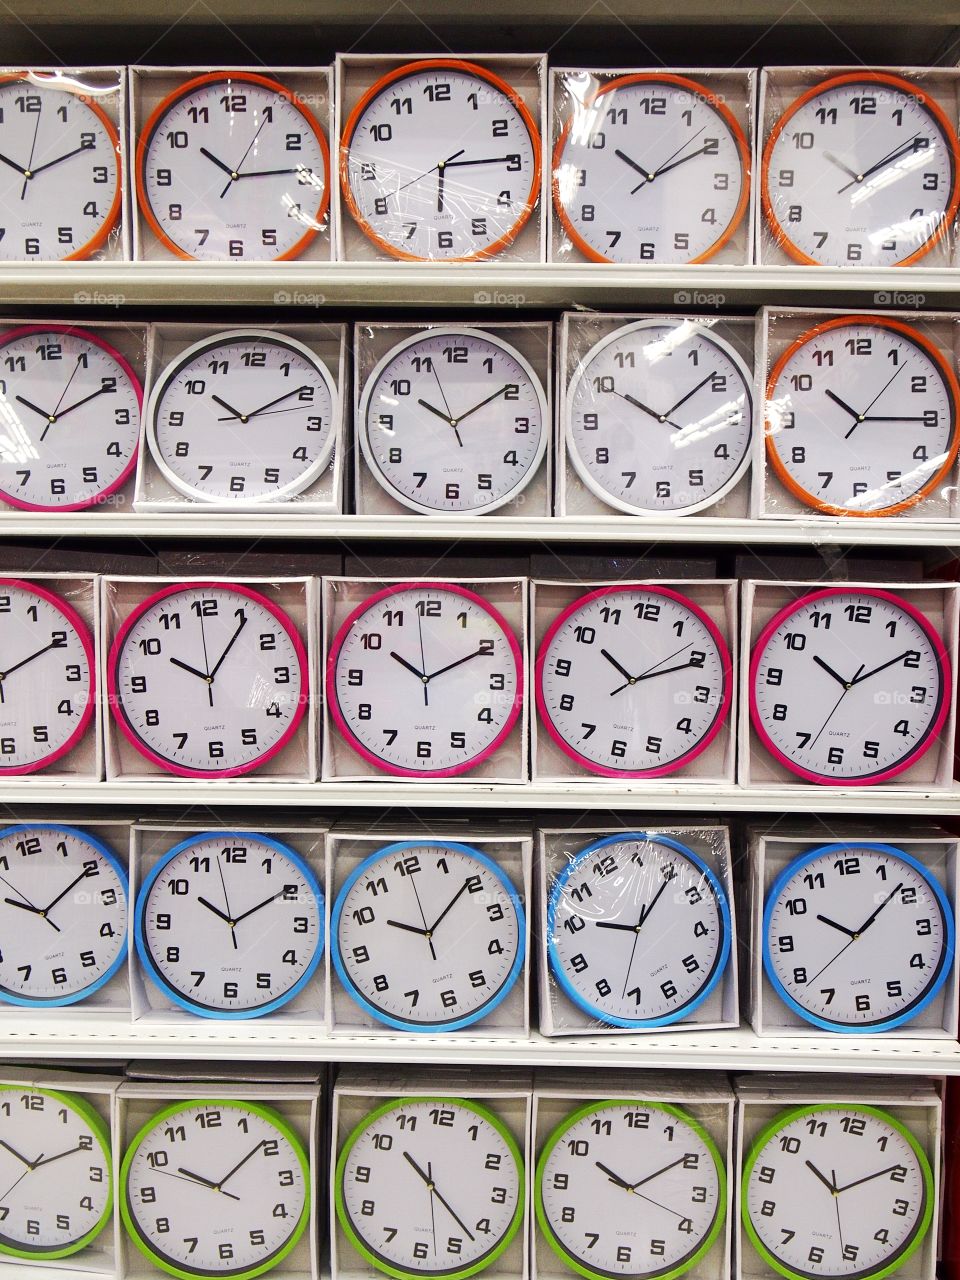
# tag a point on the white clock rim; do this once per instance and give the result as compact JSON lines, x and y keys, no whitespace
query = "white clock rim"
{"x":363,"y":423}
{"x":155,"y":974}
{"x":790,"y":872}
{"x":213,"y":342}
{"x":703,"y":324}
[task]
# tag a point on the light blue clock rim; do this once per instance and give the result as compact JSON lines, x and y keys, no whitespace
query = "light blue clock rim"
{"x":889,"y":1024}
{"x":556,"y":893}
{"x":108,"y":856}
{"x":143,"y":951}
{"x":398,"y":1024}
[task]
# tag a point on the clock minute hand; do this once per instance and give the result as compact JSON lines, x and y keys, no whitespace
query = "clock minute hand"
{"x":683,"y":399}
{"x":869,"y":1178}
{"x":264,"y":903}
{"x":50,"y":1159}
{"x":279,"y":400}
{"x":495,"y":396}
{"x":23,"y":661}
{"x":50,"y":905}
{"x":449,"y":907}
{"x":59,"y":160}
{"x":450,"y":665}
{"x":230,"y":643}
{"x":683,"y":160}
{"x":883,"y":666}
{"x":872,"y":917}
{"x":656,"y":1174}
{"x":862,"y":417}
{"x":239,"y":1165}
{"x":887,"y":159}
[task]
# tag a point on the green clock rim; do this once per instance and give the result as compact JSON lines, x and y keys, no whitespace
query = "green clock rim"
{"x":786,"y":1117}
{"x":394,"y":1104}
{"x":101,"y":1131}
{"x":679,"y":1113}
{"x":237,"y":1104}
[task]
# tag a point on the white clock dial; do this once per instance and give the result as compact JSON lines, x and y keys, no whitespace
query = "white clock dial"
{"x":245,"y":416}
{"x":231,"y":166}
{"x":63,"y":914}
{"x":848,"y":686}
{"x":862,"y":417}
{"x":638,"y":930}
{"x":56,"y":1185}
{"x":658,"y":417}
{"x":230,"y":924}
{"x":836,"y":1190}
{"x":47,"y":684}
{"x":453,"y":419}
{"x":440,"y":159}
{"x":215,"y":1188}
{"x":425,"y":679}
{"x":857,"y":937}
{"x":650,"y":168}
{"x":208,"y":679}
{"x":861,"y":170}
{"x":630,"y":1189}
{"x":60,"y":189}
{"x":633,"y":681}
{"x":429,"y":935}
{"x":71,"y":418}
{"x":430,"y":1186}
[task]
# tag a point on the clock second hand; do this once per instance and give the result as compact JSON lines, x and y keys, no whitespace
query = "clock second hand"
{"x":846,"y":690}
{"x":427,"y":934}
{"x":27,"y":905}
{"x":226,"y":901}
{"x":432,"y":1188}
{"x":836,"y":1205}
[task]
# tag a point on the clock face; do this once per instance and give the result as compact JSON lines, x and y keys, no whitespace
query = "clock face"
{"x":232,"y":166}
{"x":633,"y":681}
{"x":857,"y":937}
{"x":638,"y":930}
{"x":429,"y":935}
{"x":63,"y":914}
{"x":215,"y":1188}
{"x":651,"y":168}
{"x":440,"y":159}
{"x":425,"y":680}
{"x":836,"y":1190}
{"x":230,"y":924}
{"x":589,"y":1204}
{"x":848,"y":686}
{"x":63,"y":447}
{"x":47,"y":685}
{"x":658,"y":418}
{"x":430,"y":1186}
{"x":208,"y":680}
{"x":453,"y":420}
{"x":861,"y":170}
{"x":246,"y":416}
{"x":862,"y":417}
{"x":61,"y":166}
{"x":55,"y":1171}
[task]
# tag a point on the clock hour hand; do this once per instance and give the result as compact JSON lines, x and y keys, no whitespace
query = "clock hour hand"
{"x":612,"y":924}
{"x":204,"y":1182}
{"x":216,"y":911}
{"x":843,"y":405}
{"x":645,"y":408}
{"x":817,"y":1174}
{"x":409,"y":665}
{"x":36,"y":409}
{"x":833,"y":925}
{"x":830,"y":671}
{"x":185,"y":666}
{"x":613,"y":1177}
{"x":691,"y":155}
{"x":613,"y":662}
{"x":13,"y":165}
{"x":234,"y":413}
{"x":641,"y":169}
{"x":410,"y":928}
{"x":219,"y":163}
{"x":31,"y":1164}
{"x":439,"y":412}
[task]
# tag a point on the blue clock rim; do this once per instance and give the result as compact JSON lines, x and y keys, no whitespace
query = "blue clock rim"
{"x":889,"y":1024}
{"x":427,"y":1028}
{"x":143,"y":952}
{"x":109,"y":856}
{"x":720,"y":968}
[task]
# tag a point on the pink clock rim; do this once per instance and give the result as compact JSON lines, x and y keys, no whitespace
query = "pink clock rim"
{"x":943,"y":660}
{"x":86,"y":639}
{"x":716,"y":635}
{"x":116,"y":704}
{"x":24,"y":330}
{"x":331,"y":685}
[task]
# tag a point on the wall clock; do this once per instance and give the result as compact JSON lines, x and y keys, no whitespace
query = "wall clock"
{"x":638,"y":930}
{"x":248,"y":416}
{"x":633,"y":681}
{"x":848,"y":686}
{"x":836,"y":1190}
{"x":861,"y":170}
{"x":60,"y":185}
{"x":863,"y":417}
{"x":428,"y":935}
{"x":215,"y":1188}
{"x":658,"y":418}
{"x":430,"y":1186}
{"x":55,"y":1170}
{"x":425,"y":679}
{"x":857,"y":937}
{"x":651,"y":168}
{"x":630,"y":1188}
{"x":63,"y":914}
{"x":229,"y":924}
{"x":232,"y":166}
{"x":48,"y":682}
{"x":453,"y":420}
{"x":208,"y":680}
{"x":440,"y":159}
